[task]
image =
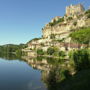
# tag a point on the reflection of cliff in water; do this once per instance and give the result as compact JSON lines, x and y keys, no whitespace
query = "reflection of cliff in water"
{"x":39,"y":64}
{"x":52,"y":70}
{"x":58,"y":74}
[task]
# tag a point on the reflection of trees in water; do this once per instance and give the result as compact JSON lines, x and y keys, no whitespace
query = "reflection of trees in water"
{"x":53,"y":71}
{"x":61,"y":79}
{"x":10,"y":56}
{"x":57,"y":74}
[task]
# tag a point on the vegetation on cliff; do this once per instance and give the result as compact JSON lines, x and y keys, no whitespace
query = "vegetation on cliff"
{"x":88,"y":13}
{"x":81,"y":36}
{"x":56,"y":22}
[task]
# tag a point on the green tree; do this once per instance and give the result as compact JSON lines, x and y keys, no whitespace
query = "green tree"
{"x":40,"y":52}
{"x":52,"y":51}
{"x":81,"y":59}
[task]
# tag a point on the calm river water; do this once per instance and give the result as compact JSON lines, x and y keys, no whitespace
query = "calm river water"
{"x":18,"y":75}
{"x":40,"y":73}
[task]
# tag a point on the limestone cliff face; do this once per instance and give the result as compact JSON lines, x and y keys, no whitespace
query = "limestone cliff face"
{"x":56,"y":33}
{"x":74,"y":19}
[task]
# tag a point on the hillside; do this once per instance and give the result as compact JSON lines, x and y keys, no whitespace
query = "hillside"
{"x":57,"y":32}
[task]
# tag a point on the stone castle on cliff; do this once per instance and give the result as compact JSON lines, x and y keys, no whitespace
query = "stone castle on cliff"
{"x":62,"y":29}
{"x":59,"y":29}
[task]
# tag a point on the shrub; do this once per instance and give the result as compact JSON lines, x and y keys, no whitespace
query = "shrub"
{"x":88,"y":15}
{"x":75,"y":23}
{"x":88,"y":11}
{"x":81,"y":59}
{"x":52,"y":36}
{"x":56,"y":22}
{"x":62,"y":53}
{"x":81,"y":36}
{"x":40,"y":52}
{"x":52,"y":50}
{"x":69,"y":18}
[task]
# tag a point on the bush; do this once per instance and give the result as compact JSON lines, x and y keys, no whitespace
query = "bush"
{"x":62,"y":54}
{"x":52,"y":36}
{"x":69,"y":18}
{"x":81,"y":36}
{"x":75,"y":23}
{"x":52,"y":50}
{"x":40,"y":52}
{"x":56,"y":22}
{"x":88,"y":16}
{"x":88,"y":11}
{"x":81,"y":59}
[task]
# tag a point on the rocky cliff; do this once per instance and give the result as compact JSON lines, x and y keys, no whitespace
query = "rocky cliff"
{"x":59,"y":28}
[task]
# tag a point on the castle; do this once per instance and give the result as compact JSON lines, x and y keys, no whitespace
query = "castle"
{"x":74,"y":9}
{"x":62,"y":29}
{"x":59,"y":29}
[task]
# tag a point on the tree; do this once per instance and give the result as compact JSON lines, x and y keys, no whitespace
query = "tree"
{"x":40,"y":52}
{"x":62,"y":53}
{"x":50,"y":51}
{"x":53,"y":51}
{"x":81,"y":59}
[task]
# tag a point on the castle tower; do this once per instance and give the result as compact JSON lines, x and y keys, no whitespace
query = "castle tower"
{"x":74,"y":9}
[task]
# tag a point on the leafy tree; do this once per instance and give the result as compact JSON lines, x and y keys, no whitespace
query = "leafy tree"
{"x":81,"y":59}
{"x":40,"y":52}
{"x":52,"y":50}
{"x":88,"y":13}
{"x":62,"y":53}
{"x":75,"y":23}
{"x":56,"y":22}
{"x":52,"y":36}
{"x":69,"y":18}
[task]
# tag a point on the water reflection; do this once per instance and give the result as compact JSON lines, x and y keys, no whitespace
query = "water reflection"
{"x":15,"y":74}
{"x":40,"y":73}
{"x":53,"y":71}
{"x":58,"y":74}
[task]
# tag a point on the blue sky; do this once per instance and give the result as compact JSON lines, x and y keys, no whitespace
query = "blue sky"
{"x":22,"y":20}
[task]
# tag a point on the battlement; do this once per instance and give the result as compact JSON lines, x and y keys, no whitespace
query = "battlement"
{"x":74,"y":9}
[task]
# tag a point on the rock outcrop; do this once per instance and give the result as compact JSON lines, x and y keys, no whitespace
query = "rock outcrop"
{"x":59,"y":28}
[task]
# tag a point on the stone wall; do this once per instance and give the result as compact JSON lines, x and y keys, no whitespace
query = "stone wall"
{"x":74,"y":9}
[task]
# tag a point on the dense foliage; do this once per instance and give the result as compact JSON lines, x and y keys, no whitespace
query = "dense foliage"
{"x":56,"y":22}
{"x":40,"y":52}
{"x":52,"y":51}
{"x":81,"y":59}
{"x":81,"y":36}
{"x":88,"y":13}
{"x":35,"y":39}
{"x":52,"y":36}
{"x":11,"y":48}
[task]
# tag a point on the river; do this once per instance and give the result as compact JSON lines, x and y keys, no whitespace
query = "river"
{"x":18,"y":75}
{"x":40,"y":73}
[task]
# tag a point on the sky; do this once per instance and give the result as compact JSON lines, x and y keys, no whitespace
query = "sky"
{"x":23,"y":20}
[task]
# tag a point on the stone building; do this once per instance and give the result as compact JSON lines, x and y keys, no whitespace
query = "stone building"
{"x":62,"y":30}
{"x":74,"y":9}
